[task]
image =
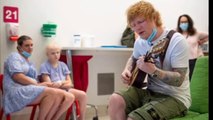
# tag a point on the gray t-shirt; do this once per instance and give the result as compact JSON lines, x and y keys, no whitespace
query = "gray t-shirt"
{"x":177,"y":56}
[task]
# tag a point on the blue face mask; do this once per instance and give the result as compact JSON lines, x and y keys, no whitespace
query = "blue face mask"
{"x":150,"y":38}
{"x":184,"y":26}
{"x":24,"y":53}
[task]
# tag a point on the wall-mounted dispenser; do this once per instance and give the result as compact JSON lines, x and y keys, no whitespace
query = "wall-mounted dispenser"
{"x":12,"y":30}
{"x":49,"y":29}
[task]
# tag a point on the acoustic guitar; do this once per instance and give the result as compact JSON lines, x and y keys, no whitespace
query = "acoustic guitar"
{"x":138,"y":76}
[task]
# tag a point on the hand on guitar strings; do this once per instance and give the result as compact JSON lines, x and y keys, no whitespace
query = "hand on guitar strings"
{"x":146,"y":66}
{"x":126,"y":75}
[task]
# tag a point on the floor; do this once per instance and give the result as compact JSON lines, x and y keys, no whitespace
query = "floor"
{"x":101,"y":113}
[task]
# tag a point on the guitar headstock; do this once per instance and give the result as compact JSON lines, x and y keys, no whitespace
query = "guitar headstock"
{"x":156,"y":49}
{"x":159,"y":47}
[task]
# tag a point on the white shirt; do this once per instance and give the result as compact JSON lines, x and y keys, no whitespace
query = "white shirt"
{"x":176,"y":57}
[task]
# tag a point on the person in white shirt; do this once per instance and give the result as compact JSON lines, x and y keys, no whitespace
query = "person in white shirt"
{"x":168,"y":93}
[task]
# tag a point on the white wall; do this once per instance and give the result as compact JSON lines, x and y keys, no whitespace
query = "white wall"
{"x":171,"y":9}
{"x":104,"y":62}
{"x":103,"y":18}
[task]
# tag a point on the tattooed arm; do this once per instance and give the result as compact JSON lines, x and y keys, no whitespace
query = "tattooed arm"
{"x":174,"y":78}
{"x":130,"y":63}
{"x":126,"y":74}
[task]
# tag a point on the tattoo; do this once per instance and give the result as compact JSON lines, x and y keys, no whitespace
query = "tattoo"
{"x":174,"y":78}
{"x":130,"y":63}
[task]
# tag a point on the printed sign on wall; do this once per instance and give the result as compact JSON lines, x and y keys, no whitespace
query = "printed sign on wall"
{"x":10,"y":14}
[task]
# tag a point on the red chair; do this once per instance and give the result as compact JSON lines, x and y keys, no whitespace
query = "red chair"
{"x":8,"y":117}
{"x":80,"y":77}
{"x":74,"y":107}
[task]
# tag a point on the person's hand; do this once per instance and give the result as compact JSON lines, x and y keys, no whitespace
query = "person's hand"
{"x":48,"y":84}
{"x":147,"y":67}
{"x":57,"y":84}
{"x":126,"y":75}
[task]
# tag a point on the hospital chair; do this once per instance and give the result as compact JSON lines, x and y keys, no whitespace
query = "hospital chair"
{"x":8,"y":116}
{"x":76,"y":62}
{"x":69,"y":111}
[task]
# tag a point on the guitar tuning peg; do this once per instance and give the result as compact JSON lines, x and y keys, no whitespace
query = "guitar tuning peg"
{"x":155,"y":56}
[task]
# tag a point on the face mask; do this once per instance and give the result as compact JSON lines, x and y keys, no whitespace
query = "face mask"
{"x":26,"y":54}
{"x":150,"y":38}
{"x":184,"y":26}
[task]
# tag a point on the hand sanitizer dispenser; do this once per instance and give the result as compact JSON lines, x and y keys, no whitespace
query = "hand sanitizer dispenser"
{"x":12,"y":31}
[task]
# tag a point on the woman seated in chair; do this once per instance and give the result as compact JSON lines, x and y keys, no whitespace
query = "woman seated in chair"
{"x":22,"y":88}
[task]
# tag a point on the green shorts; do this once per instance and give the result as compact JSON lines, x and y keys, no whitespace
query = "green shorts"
{"x":144,"y":104}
